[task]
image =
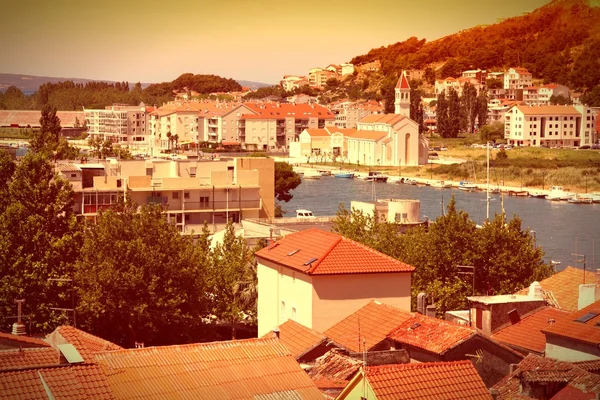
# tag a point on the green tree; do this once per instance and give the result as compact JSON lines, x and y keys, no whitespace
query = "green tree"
{"x":40,"y":239}
{"x":47,"y":138}
{"x":560,"y":100}
{"x":591,"y":98}
{"x":140,"y":280}
{"x":416,"y":108}
{"x":443,"y":125}
{"x":469,"y":104}
{"x":7,"y":168}
{"x":454,"y":113}
{"x":482,"y":107}
{"x":429,"y":75}
{"x":492,"y":132}
{"x":286,"y":179}
{"x":388,"y":92}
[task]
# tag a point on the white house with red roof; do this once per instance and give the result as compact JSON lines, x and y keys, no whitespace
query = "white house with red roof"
{"x":318,"y":278}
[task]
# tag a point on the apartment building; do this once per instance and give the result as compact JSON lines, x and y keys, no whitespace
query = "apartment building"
{"x":478,"y":74}
{"x":318,"y":77}
{"x":291,"y":82}
{"x":272,"y":126}
{"x":550,"y":126}
{"x":497,"y":108}
{"x":444,"y":85}
{"x":540,"y":95}
{"x":121,"y":124}
{"x":347,"y":69}
{"x":347,"y":113}
{"x":191,"y":191}
{"x":515,"y":80}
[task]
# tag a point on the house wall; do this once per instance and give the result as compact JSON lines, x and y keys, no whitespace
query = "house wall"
{"x":334,"y":297}
{"x":358,"y":390}
{"x":569,"y":350}
{"x":277,"y":284}
{"x":266,"y":168}
{"x":495,"y":316}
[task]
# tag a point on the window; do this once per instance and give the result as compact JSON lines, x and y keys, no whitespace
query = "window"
{"x":175,"y":195}
{"x":479,"y":318}
{"x":73,"y":175}
{"x":186,"y":195}
{"x":586,"y":317}
{"x":282,"y":311}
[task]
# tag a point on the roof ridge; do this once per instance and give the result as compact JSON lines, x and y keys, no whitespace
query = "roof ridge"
{"x":316,"y":264}
{"x":422,"y":365}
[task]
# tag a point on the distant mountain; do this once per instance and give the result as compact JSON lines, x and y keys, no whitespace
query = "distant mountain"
{"x":30,"y":83}
{"x":558,"y":42}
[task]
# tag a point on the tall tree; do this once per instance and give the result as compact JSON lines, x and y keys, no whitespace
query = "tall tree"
{"x":286,"y":180}
{"x":7,"y":168}
{"x":140,"y":280}
{"x":416,"y":108}
{"x":443,"y":125}
{"x":39,"y":240}
{"x":454,"y":113}
{"x":47,"y":138}
{"x":482,"y":107}
{"x":469,"y":105}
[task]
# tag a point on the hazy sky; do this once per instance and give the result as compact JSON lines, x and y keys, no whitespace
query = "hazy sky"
{"x":260,"y":40}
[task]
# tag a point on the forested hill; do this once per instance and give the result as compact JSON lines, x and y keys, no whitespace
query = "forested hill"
{"x":69,"y":95}
{"x":559,"y":42}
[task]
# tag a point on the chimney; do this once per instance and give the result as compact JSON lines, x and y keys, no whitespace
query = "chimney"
{"x":421,"y":302}
{"x":276,"y":331}
{"x":430,"y":310}
{"x":18,"y":327}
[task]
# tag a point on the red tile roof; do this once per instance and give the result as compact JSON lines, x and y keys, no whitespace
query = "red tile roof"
{"x":440,"y":380}
{"x":403,"y":82}
{"x":297,"y":338}
{"x":66,"y":382}
{"x":526,"y":334}
{"x":366,"y":135}
{"x":586,"y":332}
{"x":372,"y":323}
{"x":242,"y":369}
{"x":548,"y":110}
{"x":431,"y":334}
{"x":564,"y":286}
{"x":32,"y":118}
{"x":536,"y":369}
{"x":10,"y":340}
{"x":283,"y":110}
{"x":317,"y":132}
{"x":570,"y":392}
{"x":28,"y":357}
{"x":316,"y":252}
{"x":390,"y":119}
{"x":590,"y":365}
{"x":86,"y":344}
{"x":334,"y":367}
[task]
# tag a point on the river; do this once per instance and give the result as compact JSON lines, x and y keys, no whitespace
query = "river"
{"x":561,"y":228}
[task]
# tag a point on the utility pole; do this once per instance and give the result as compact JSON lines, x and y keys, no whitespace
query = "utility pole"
{"x":580,"y":260}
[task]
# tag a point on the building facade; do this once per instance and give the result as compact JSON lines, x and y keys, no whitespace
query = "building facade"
{"x":121,"y":124}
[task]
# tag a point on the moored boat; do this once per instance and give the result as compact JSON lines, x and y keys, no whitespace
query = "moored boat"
{"x":310,"y":174}
{"x":556,"y":193}
{"x":467,"y":186}
{"x":537,"y":195}
{"x":347,"y":175}
{"x":441,"y":185}
{"x":578,"y":199}
{"x":520,"y":193}
{"x":324,"y":172}
{"x":376,"y":176}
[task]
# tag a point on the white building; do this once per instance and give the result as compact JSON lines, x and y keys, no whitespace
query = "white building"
{"x":551,"y":126}
{"x":540,"y":95}
{"x":121,"y":124}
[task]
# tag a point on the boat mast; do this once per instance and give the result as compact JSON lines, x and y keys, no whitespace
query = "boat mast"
{"x":487,"y":214}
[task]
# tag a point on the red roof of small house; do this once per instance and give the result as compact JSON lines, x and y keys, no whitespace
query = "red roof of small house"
{"x":65,"y":382}
{"x":29,"y":357}
{"x":371,"y":324}
{"x":403,"y":82}
{"x":564,"y":287}
{"x":527,"y":333}
{"x":334,"y":367}
{"x":580,"y":326}
{"x":589,"y":365}
{"x":571,"y":392}
{"x":437,"y":380}
{"x":237,"y":369}
{"x":8,"y":340}
{"x":535,"y":369}
{"x":297,"y":338}
{"x":316,"y":252}
{"x":431,"y":334}
{"x":86,"y":344}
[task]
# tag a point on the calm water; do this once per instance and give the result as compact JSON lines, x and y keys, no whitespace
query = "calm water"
{"x":561,"y":228}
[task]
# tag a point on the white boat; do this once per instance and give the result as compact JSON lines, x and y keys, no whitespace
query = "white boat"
{"x":595,"y":196}
{"x":557,"y":193}
{"x":376,"y":176}
{"x":304,"y":214}
{"x":323,"y":172}
{"x":441,"y":184}
{"x":311,"y":174}
{"x":467,"y":186}
{"x":579,"y":199}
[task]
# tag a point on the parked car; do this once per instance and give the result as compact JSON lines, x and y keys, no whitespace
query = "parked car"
{"x":595,"y":147}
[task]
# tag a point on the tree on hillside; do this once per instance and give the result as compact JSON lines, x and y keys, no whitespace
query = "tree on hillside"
{"x":591,"y":98}
{"x":454,"y":113}
{"x":40,"y":239}
{"x":469,"y":105}
{"x":389,"y":94}
{"x":443,"y":125}
{"x":560,"y":100}
{"x":140,"y":280}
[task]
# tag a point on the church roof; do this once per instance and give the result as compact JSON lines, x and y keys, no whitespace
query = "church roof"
{"x":403,"y":82}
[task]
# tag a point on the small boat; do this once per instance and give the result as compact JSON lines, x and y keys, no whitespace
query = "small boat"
{"x":495,"y":191}
{"x":421,"y":184}
{"x":347,"y":175}
{"x":537,"y":195}
{"x":595,"y":196}
{"x":578,"y":199}
{"x":304,"y":214}
{"x":376,"y":176}
{"x":323,"y":172}
{"x":441,"y":185}
{"x":556,"y":193}
{"x":520,"y":193}
{"x":467,"y":186}
{"x":410,"y":182}
{"x":311,"y":175}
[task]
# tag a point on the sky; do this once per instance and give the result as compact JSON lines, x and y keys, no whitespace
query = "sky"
{"x":255,"y":40}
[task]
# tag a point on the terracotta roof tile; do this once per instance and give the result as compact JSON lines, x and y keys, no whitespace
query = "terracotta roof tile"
{"x":571,"y":392}
{"x":366,"y":135}
{"x":86,"y":344}
{"x":590,"y":365}
{"x":32,"y":118}
{"x":242,"y":369}
{"x":316,"y":252}
{"x":440,"y":380}
{"x":66,"y":382}
{"x":431,"y":334}
{"x":548,"y":110}
{"x":389,"y":119}
{"x":10,"y":340}
{"x":564,"y":286}
{"x":536,"y":369}
{"x":297,"y":338}
{"x":317,"y":132}
{"x":569,"y":327}
{"x":526,"y":334}
{"x":334,"y":367}
{"x":28,"y":357}
{"x":372,"y":323}
{"x":283,"y":110}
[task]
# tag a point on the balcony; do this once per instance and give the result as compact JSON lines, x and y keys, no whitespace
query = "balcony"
{"x":161,"y":200}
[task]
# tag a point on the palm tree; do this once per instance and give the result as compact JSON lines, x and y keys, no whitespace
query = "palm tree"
{"x":176,"y":140}
{"x":169,"y":139}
